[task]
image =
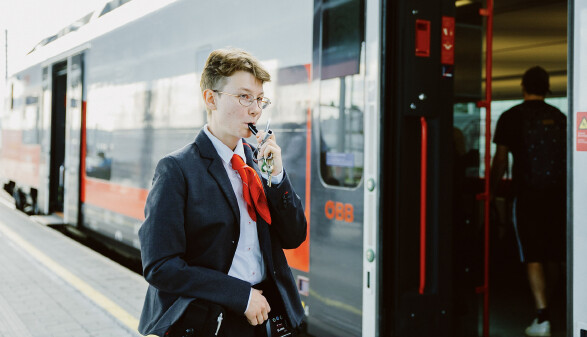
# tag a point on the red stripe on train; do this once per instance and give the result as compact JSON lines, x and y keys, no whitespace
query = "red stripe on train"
{"x":299,"y":258}
{"x":126,"y":200}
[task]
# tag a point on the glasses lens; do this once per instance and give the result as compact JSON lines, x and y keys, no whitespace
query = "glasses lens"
{"x":264,"y":103}
{"x":245,"y":99}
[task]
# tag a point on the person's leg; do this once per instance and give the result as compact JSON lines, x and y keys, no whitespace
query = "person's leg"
{"x":534,"y":234}
{"x":537,"y":281}
{"x":541,"y":324}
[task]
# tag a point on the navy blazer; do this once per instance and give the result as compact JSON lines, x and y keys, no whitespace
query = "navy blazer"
{"x":190,"y":234}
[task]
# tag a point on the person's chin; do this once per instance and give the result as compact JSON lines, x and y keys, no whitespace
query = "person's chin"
{"x":246,"y":133}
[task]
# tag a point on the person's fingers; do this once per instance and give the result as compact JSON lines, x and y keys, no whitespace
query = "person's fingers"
{"x":267,"y":150}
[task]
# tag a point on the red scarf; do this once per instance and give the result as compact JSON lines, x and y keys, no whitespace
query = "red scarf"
{"x":253,"y":192}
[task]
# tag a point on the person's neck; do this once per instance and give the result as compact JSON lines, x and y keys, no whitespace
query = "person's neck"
{"x":533,"y":97}
{"x":227,"y":140}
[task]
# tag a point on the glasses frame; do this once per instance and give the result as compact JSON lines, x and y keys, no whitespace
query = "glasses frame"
{"x":262,"y":102}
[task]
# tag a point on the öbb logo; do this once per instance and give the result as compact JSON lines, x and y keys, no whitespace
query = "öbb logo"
{"x":339,"y":211}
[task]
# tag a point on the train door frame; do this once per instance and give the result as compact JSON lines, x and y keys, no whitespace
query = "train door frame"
{"x":371,"y":174}
{"x":64,"y":191}
{"x":576,"y":161}
{"x":57,"y":131}
{"x":43,"y":200}
{"x":74,"y":141}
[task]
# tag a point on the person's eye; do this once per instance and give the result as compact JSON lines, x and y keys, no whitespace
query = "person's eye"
{"x":247,"y":97}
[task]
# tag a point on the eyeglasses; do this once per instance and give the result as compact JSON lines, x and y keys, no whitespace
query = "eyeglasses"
{"x":247,"y":100}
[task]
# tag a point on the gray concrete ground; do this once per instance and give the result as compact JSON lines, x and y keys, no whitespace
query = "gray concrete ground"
{"x":50,"y":285}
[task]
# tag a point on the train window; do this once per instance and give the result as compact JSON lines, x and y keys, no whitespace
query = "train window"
{"x":342,"y":36}
{"x":341,"y":93}
{"x":30,"y":120}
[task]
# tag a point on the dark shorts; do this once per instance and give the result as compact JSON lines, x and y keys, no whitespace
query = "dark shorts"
{"x":540,"y":226}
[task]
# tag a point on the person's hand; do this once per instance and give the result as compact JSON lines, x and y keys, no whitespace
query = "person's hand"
{"x":258,"y":310}
{"x":270,"y":147}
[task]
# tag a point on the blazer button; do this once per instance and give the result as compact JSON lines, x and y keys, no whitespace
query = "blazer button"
{"x":233,"y":242}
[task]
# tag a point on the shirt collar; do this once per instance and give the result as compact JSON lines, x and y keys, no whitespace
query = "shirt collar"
{"x":224,"y":151}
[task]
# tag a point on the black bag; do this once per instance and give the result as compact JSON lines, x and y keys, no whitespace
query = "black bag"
{"x":276,"y":326}
{"x":201,"y":318}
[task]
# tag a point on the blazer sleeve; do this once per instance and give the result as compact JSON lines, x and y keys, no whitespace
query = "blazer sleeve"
{"x":163,"y":244}
{"x":287,"y":214}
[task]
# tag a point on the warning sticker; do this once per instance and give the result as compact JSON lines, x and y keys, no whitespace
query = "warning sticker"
{"x":581,"y":131}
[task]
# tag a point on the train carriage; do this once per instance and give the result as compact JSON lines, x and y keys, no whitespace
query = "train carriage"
{"x":366,"y":100}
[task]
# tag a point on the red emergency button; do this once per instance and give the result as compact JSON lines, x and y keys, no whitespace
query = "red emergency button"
{"x":422,"y":38}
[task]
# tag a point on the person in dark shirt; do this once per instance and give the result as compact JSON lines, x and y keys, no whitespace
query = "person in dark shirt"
{"x":535,"y":133}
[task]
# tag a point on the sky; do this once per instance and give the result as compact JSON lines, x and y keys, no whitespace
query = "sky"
{"x":30,"y":21}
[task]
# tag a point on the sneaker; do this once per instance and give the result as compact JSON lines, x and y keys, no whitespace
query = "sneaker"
{"x":538,"y":329}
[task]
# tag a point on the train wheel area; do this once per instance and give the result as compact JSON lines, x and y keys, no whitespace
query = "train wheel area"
{"x":53,"y":286}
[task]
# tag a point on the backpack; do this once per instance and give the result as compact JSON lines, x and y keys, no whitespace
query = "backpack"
{"x":543,"y":152}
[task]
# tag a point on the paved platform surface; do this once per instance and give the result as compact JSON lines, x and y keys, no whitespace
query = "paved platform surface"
{"x":50,"y":285}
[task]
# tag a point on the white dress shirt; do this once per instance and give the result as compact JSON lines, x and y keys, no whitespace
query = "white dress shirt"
{"x":247,"y":264}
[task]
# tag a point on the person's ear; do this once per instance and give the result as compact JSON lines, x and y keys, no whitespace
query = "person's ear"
{"x":209,"y":99}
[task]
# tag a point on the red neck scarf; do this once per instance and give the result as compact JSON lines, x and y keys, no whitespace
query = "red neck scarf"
{"x":253,"y":192}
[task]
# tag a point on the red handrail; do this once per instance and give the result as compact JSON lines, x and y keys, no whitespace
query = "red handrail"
{"x":423,"y":173}
{"x":488,"y":12}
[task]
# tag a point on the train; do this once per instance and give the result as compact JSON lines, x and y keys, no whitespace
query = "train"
{"x":371,"y":99}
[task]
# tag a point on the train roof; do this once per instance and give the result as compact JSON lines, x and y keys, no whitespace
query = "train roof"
{"x":79,"y":34}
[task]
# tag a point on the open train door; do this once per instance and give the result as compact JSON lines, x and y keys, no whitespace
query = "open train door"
{"x":73,"y":140}
{"x":416,"y":229}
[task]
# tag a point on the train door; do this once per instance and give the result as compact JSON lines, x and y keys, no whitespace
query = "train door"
{"x":416,"y":229}
{"x":73,"y":144}
{"x":57,"y":152}
{"x":331,"y":283}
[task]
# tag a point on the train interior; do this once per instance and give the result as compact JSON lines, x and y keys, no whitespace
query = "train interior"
{"x":526,"y":33}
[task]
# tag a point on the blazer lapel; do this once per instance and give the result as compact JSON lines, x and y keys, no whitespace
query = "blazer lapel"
{"x":217,"y":171}
{"x":251,"y":161}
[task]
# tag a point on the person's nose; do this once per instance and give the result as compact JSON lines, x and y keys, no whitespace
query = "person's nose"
{"x":254,"y":109}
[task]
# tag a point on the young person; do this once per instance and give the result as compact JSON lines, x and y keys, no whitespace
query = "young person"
{"x":213,"y":238}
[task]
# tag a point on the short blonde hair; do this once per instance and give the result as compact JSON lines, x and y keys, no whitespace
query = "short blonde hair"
{"x":223,"y":63}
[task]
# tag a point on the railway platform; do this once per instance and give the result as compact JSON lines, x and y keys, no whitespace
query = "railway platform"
{"x":51,"y":285}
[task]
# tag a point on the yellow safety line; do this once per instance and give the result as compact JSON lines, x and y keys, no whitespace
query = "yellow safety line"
{"x":95,"y":296}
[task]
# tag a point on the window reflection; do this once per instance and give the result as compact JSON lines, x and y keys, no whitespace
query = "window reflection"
{"x":98,"y":166}
{"x":341,"y":131}
{"x":341,"y":92}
